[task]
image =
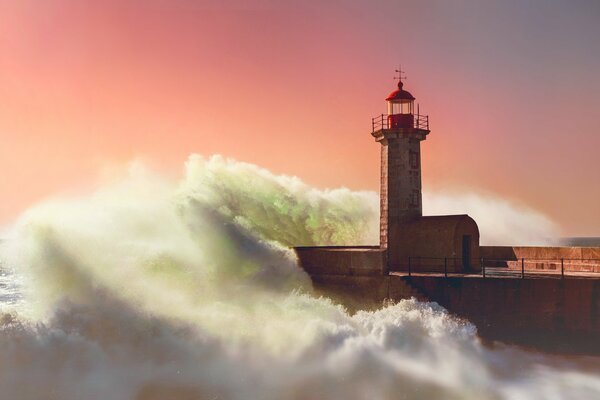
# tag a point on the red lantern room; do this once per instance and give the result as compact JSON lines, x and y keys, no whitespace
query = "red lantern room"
{"x":400,"y":108}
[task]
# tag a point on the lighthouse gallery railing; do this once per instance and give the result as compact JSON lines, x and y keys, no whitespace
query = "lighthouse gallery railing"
{"x":383,"y":122}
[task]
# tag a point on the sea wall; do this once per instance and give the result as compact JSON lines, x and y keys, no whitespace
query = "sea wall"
{"x":372,"y":260}
{"x":337,"y":260}
{"x":547,"y":253}
{"x":553,"y":314}
{"x":550,"y":314}
{"x":577,"y":259}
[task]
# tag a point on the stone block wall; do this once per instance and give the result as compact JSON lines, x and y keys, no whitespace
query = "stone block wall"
{"x":577,"y":259}
{"x":383,"y":198}
{"x":349,"y":261}
{"x":550,"y":314}
{"x":553,"y":314}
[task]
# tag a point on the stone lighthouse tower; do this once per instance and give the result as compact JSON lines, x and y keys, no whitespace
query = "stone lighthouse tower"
{"x":400,"y":133}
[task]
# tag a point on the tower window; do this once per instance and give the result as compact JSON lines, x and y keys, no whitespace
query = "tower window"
{"x":414,"y":160}
{"x":414,"y":199}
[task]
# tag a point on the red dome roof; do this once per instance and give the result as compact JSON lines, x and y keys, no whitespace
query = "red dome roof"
{"x":400,"y":94}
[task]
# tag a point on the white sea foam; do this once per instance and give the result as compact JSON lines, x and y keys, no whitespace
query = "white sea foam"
{"x":155,"y":290}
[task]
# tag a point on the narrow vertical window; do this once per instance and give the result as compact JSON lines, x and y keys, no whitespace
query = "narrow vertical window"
{"x":414,"y":200}
{"x":414,"y":160}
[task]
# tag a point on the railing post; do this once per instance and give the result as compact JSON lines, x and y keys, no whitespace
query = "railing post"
{"x":446,"y":267}
{"x":522,"y":268}
{"x":482,"y":266}
{"x":409,"y":267}
{"x":562,"y":268}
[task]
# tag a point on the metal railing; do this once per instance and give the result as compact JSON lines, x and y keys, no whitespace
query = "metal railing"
{"x":503,"y":267}
{"x":422,"y":122}
{"x":383,"y":122}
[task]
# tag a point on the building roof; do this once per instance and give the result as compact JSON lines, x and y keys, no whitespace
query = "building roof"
{"x":440,"y":224}
{"x":400,"y":94}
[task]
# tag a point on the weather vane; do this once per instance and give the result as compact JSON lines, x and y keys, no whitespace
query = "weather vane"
{"x":401,"y":74}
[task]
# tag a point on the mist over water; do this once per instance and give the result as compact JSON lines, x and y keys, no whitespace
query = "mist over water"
{"x":151,"y":289}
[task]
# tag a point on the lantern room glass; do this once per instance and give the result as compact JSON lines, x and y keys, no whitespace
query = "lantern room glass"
{"x":400,"y":107}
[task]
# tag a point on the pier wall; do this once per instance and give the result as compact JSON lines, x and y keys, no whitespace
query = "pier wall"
{"x":550,"y":314}
{"x":549,"y":253}
{"x":576,"y":259}
{"x":339,"y":260}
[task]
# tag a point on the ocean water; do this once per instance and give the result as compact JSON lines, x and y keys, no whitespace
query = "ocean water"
{"x":580,"y":241}
{"x":151,"y":289}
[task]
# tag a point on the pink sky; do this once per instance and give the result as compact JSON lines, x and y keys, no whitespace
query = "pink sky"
{"x":512,"y":91}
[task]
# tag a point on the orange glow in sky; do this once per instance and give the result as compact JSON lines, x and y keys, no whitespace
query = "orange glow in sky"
{"x":512,"y":92}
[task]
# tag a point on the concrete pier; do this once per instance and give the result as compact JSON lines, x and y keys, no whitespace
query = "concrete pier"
{"x":541,"y":310}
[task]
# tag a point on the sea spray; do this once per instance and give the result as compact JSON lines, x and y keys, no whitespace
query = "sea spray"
{"x":501,"y":222}
{"x":281,"y":208}
{"x":149,"y":289}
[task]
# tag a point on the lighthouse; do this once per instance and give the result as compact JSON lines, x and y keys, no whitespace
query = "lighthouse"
{"x":409,"y":241}
{"x":400,"y":133}
{"x":405,"y":234}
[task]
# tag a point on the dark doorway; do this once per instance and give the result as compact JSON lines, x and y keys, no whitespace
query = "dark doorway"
{"x":466,"y":252}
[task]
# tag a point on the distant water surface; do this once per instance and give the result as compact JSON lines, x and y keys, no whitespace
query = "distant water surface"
{"x":580,"y":241}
